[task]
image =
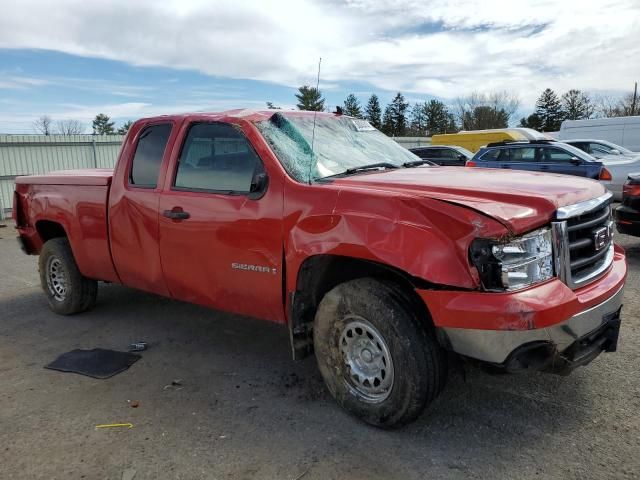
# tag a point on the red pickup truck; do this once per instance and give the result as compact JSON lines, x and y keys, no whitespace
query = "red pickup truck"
{"x":376,"y":260}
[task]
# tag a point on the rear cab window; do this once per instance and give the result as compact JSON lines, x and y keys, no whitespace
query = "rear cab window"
{"x":147,"y":159}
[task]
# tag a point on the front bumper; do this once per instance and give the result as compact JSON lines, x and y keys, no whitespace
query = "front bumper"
{"x":555,"y":321}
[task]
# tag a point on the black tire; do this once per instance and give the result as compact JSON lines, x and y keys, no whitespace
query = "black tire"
{"x":67,"y":291}
{"x":419,"y":364}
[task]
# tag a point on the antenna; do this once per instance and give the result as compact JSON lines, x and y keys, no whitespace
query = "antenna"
{"x":313,"y":131}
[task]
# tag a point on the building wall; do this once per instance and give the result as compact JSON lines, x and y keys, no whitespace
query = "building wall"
{"x":36,"y":154}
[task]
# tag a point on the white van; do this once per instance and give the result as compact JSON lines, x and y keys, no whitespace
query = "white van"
{"x":623,"y":131}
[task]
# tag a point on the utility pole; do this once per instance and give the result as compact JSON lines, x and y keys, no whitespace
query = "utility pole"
{"x":633,"y":102}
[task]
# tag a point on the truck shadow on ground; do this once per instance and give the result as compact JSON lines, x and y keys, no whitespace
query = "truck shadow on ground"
{"x":241,"y":368}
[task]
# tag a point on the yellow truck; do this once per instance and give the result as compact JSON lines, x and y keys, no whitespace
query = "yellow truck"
{"x":474,"y":139}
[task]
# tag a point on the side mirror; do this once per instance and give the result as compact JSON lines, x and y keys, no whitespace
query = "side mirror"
{"x":615,"y":151}
{"x":462,"y":158}
{"x":258,"y":186}
{"x":575,"y":161}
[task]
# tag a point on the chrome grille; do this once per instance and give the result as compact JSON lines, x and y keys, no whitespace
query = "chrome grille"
{"x":583,"y":241}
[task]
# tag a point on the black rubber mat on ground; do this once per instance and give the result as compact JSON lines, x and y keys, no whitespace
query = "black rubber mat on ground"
{"x":96,"y":363}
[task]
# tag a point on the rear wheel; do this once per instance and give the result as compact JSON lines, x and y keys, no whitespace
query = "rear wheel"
{"x":67,"y":290}
{"x":378,"y":359}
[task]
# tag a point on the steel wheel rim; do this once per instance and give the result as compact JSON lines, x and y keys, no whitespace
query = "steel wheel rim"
{"x":56,"y":278}
{"x":368,"y":364}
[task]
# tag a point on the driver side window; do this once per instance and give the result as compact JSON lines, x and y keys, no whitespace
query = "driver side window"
{"x":217,"y":157}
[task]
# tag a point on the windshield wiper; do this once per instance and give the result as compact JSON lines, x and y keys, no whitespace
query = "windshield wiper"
{"x":371,"y":166}
{"x":417,"y":163}
{"x":361,"y":168}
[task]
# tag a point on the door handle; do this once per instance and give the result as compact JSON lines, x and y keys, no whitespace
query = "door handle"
{"x":176,"y":214}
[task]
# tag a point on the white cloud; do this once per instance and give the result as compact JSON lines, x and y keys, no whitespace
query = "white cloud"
{"x":442,"y":48}
{"x":17,"y":82}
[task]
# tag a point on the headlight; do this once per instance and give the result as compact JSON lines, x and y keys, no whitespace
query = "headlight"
{"x":515,"y":264}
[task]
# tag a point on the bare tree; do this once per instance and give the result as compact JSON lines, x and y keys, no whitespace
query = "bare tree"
{"x":69,"y":127}
{"x":577,"y":105}
{"x":43,"y":125}
{"x":624,"y":106}
{"x":480,"y":110}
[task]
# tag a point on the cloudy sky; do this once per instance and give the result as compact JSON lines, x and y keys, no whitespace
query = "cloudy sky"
{"x":131,"y":58}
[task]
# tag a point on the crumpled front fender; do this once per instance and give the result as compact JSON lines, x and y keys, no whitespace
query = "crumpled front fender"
{"x":426,"y":238}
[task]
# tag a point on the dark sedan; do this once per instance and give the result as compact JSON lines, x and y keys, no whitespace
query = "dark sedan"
{"x":628,"y":214}
{"x":452,"y":156}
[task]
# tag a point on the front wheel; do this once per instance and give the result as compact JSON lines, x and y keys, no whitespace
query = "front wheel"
{"x":378,"y":359}
{"x":67,"y":290}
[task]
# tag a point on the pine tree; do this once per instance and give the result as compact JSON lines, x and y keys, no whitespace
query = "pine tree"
{"x":395,"y":117}
{"x":310,"y":98}
{"x":373,"y":112}
{"x":418,"y":125}
{"x":577,"y":105}
{"x":352,"y":106}
{"x":102,"y":125}
{"x":125,"y":127}
{"x":387,"y":126}
{"x":532,"y":121}
{"x":549,"y":110}
{"x":438,"y":118}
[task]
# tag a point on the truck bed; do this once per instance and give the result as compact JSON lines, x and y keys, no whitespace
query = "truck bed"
{"x":76,"y":200}
{"x":96,"y":176}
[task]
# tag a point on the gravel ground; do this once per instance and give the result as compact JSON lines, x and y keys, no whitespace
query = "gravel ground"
{"x":244,"y":410}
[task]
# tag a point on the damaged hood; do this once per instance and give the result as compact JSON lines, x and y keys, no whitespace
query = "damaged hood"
{"x":519,"y":200}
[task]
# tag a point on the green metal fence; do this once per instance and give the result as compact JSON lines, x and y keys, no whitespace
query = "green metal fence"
{"x":34,"y":154}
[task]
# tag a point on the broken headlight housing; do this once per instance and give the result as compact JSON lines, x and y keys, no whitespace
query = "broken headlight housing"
{"x":515,"y":264}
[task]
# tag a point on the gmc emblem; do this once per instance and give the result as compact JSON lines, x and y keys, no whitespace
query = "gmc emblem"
{"x":601,"y":237}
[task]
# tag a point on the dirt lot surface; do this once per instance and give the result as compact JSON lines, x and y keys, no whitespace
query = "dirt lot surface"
{"x":244,"y":410}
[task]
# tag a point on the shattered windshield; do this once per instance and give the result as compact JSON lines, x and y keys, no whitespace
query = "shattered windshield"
{"x":339,"y":143}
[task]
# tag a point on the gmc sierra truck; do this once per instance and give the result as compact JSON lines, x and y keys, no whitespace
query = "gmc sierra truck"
{"x":378,"y":262}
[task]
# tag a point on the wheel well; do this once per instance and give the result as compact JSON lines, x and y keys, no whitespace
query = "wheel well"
{"x":321,"y":273}
{"x":47,"y":230}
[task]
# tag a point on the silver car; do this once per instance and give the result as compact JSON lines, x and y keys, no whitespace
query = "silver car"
{"x":619,"y":161}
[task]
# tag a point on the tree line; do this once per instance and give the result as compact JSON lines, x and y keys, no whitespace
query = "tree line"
{"x":476,"y":111}
{"x":101,"y":125}
{"x":399,"y":118}
{"x":551,"y":109}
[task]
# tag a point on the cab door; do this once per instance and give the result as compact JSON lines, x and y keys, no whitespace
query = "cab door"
{"x":133,"y":207}
{"x":220,"y":218}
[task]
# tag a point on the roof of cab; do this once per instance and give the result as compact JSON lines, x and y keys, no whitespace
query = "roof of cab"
{"x":240,"y":113}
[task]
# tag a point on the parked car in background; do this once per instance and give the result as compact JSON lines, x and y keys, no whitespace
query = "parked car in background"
{"x":619,"y":161}
{"x":541,"y":156}
{"x":628,"y":214}
{"x":623,"y":131}
{"x":448,"y":156}
{"x":472,"y":140}
{"x":600,"y":148}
